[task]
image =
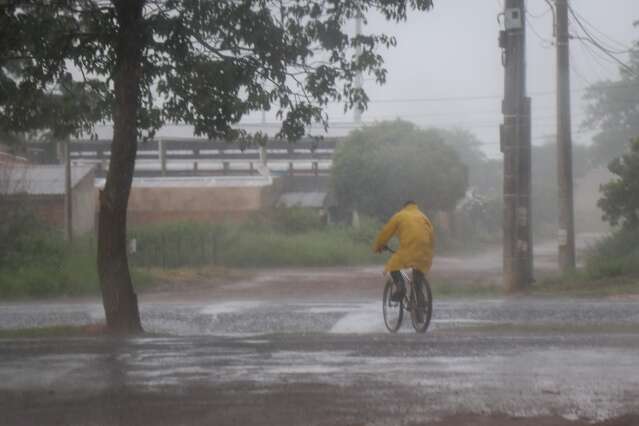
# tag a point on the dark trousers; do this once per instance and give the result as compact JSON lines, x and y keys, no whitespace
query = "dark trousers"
{"x":398,"y":279}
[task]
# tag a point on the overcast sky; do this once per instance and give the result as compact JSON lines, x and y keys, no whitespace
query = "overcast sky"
{"x":451,"y":52}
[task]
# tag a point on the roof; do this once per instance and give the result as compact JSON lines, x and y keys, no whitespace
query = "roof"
{"x":40,"y":180}
{"x":303,"y":199}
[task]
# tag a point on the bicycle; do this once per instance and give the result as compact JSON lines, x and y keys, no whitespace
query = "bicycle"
{"x":418,"y":301}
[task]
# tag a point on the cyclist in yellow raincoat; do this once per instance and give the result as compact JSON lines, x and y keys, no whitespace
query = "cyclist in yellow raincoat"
{"x":416,"y":241}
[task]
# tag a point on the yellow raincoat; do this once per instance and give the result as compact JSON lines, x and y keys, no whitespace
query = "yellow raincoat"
{"x":416,"y":239}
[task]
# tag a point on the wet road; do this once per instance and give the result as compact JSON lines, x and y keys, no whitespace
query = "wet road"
{"x":324,"y":362}
{"x":308,"y":347}
{"x":239,"y":318}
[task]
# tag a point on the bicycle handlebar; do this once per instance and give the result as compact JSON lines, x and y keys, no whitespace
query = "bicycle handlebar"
{"x":386,"y":248}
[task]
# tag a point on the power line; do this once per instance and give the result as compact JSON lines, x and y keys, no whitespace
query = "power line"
{"x":471,"y":98}
{"x":622,"y":46}
{"x":539,"y":15}
{"x":545,"y":43}
{"x":575,"y":70}
{"x":592,"y":39}
{"x":599,"y":66}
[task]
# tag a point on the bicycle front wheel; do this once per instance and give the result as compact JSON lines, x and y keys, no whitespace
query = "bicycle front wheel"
{"x":422,"y":306}
{"x":393,"y":311}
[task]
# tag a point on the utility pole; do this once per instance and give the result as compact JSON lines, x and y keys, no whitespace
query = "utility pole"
{"x":68,"y":194}
{"x":566,"y":233}
{"x":359,"y":80}
{"x":515,"y":145}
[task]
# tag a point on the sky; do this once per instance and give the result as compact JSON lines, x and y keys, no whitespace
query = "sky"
{"x":446,"y":70}
{"x":451,"y":52}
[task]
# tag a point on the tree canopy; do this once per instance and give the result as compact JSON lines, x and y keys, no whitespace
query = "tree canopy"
{"x":614,"y":111}
{"x":484,"y":174}
{"x":66,"y":64}
{"x":620,"y":200}
{"x":206,"y":63}
{"x":379,"y":167}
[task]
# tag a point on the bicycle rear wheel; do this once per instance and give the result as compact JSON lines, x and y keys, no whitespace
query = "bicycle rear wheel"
{"x":393,"y":311}
{"x":422,"y":305}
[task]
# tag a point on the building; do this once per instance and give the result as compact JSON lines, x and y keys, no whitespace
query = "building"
{"x":201,"y":199}
{"x":41,"y":189}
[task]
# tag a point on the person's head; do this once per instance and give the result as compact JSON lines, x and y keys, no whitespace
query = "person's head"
{"x":408,"y":203}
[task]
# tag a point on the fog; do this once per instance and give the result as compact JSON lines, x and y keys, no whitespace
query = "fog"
{"x":451,"y":52}
{"x":446,"y":70}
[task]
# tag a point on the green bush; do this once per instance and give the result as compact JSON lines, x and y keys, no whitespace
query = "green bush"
{"x":47,"y":266}
{"x":180,"y":244}
{"x":256,"y":243}
{"x":615,"y":255}
{"x":294,"y":220}
{"x":315,"y":248}
{"x":367,"y":231}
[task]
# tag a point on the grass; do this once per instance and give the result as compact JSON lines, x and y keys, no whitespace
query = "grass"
{"x":53,"y":268}
{"x":43,"y":265}
{"x":614,"y":256}
{"x":581,"y":284}
{"x":316,"y":248}
{"x":261,"y":242}
{"x":611,"y":268}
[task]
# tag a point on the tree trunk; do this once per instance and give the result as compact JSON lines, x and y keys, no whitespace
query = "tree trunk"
{"x":118,"y":297}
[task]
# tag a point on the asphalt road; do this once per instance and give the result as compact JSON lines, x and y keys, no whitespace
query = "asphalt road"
{"x":308,"y":347}
{"x":256,"y":362}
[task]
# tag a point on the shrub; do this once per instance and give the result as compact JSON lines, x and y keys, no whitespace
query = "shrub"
{"x":47,"y":266}
{"x":257,"y":243}
{"x":620,"y":200}
{"x":294,"y":220}
{"x":615,"y":255}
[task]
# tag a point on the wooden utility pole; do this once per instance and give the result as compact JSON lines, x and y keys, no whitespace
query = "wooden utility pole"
{"x":359,"y":79}
{"x":515,"y":145}
{"x":566,"y":234}
{"x":68,"y":194}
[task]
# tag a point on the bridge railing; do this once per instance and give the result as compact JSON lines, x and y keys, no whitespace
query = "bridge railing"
{"x":201,"y":157}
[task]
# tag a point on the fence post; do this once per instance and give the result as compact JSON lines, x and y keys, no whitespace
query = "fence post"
{"x":196,"y":154}
{"x":162,"y":246}
{"x":162,"y":156}
{"x":263,"y":156}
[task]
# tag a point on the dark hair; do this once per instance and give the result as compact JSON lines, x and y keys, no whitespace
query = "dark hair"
{"x":409,"y":202}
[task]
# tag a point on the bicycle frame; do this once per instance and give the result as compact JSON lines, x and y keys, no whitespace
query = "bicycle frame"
{"x":418,"y":302}
{"x":410,"y":285}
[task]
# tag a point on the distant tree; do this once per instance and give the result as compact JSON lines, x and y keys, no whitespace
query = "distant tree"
{"x":614,"y":111}
{"x":545,"y":201}
{"x":202,"y":62}
{"x":620,"y":201}
{"x":466,"y":144}
{"x":484,"y":174}
{"x":380,"y":167}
